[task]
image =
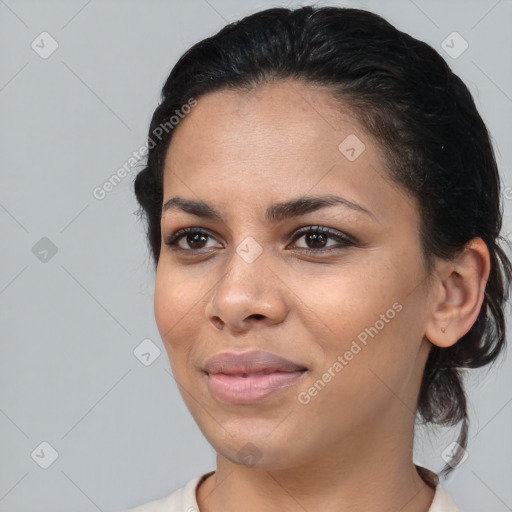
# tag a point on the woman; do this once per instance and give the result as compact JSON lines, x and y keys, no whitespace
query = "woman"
{"x":323,"y":209}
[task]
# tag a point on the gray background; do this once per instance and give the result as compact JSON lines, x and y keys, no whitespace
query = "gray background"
{"x":70,"y":324}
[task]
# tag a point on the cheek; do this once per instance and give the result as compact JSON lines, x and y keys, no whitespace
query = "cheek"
{"x":163,"y":298}
{"x":346,"y":299}
{"x":175,"y":305}
{"x":368,"y":317}
{"x":363,"y":371}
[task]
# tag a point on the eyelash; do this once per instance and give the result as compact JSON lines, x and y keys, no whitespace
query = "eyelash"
{"x":345,"y":240}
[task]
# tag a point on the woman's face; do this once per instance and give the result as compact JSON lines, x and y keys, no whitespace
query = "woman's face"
{"x":352,"y":313}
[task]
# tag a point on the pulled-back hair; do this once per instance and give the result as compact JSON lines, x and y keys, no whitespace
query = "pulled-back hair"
{"x":421,"y":114}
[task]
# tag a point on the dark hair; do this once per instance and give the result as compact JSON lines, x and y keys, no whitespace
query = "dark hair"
{"x":421,"y":114}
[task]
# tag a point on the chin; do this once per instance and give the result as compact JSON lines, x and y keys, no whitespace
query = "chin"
{"x":257,"y":452}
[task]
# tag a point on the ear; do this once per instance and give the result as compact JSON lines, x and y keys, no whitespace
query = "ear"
{"x":457,"y":294}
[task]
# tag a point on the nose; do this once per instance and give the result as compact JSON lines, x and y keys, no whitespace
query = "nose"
{"x":247,"y":295}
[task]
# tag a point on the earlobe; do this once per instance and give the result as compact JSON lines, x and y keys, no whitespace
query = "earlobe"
{"x":457,"y":294}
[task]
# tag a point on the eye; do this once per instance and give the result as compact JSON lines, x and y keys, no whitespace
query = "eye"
{"x":318,"y":237}
{"x":192,"y":239}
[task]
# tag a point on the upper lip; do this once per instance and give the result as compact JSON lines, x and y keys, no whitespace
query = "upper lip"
{"x":253,"y":361}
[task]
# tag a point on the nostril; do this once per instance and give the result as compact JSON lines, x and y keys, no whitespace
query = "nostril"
{"x":217,"y":322}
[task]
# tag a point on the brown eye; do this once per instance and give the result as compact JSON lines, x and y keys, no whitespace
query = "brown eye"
{"x":194,"y":239}
{"x":316,"y":239}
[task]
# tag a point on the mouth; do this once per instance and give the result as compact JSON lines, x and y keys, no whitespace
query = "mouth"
{"x":248,"y":388}
{"x":252,"y":374}
{"x":267,"y":372}
{"x":251,"y":362}
{"x":249,"y":377}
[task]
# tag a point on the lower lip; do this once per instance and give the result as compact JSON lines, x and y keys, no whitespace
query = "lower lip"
{"x":236,"y":389}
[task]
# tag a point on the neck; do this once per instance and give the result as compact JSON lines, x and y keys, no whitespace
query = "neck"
{"x":371,"y":476}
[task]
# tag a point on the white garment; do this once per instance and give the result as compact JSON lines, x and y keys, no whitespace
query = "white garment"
{"x":184,"y":499}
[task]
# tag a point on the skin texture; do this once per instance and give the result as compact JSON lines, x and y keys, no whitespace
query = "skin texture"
{"x":350,"y":447}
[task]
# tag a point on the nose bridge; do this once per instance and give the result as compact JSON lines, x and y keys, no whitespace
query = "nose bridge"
{"x":250,"y":250}
{"x":246,"y":266}
{"x":248,"y":239}
{"x":245,"y":289}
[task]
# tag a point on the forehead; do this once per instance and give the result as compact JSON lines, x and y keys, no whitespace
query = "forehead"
{"x":281,"y":140}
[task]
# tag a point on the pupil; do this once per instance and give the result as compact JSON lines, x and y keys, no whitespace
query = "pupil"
{"x":315,"y":238}
{"x":192,"y":239}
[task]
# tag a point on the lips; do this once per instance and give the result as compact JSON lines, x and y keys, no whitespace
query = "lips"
{"x":250,"y":377}
{"x":252,"y":362}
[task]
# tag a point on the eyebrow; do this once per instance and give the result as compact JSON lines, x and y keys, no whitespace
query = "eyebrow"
{"x":275,"y":212}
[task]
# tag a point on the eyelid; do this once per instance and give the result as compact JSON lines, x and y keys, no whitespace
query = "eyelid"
{"x":331,"y":233}
{"x":180,"y":233}
{"x":342,"y":238}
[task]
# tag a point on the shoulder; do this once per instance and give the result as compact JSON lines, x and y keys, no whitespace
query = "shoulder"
{"x":443,"y":502}
{"x":180,"y":500}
